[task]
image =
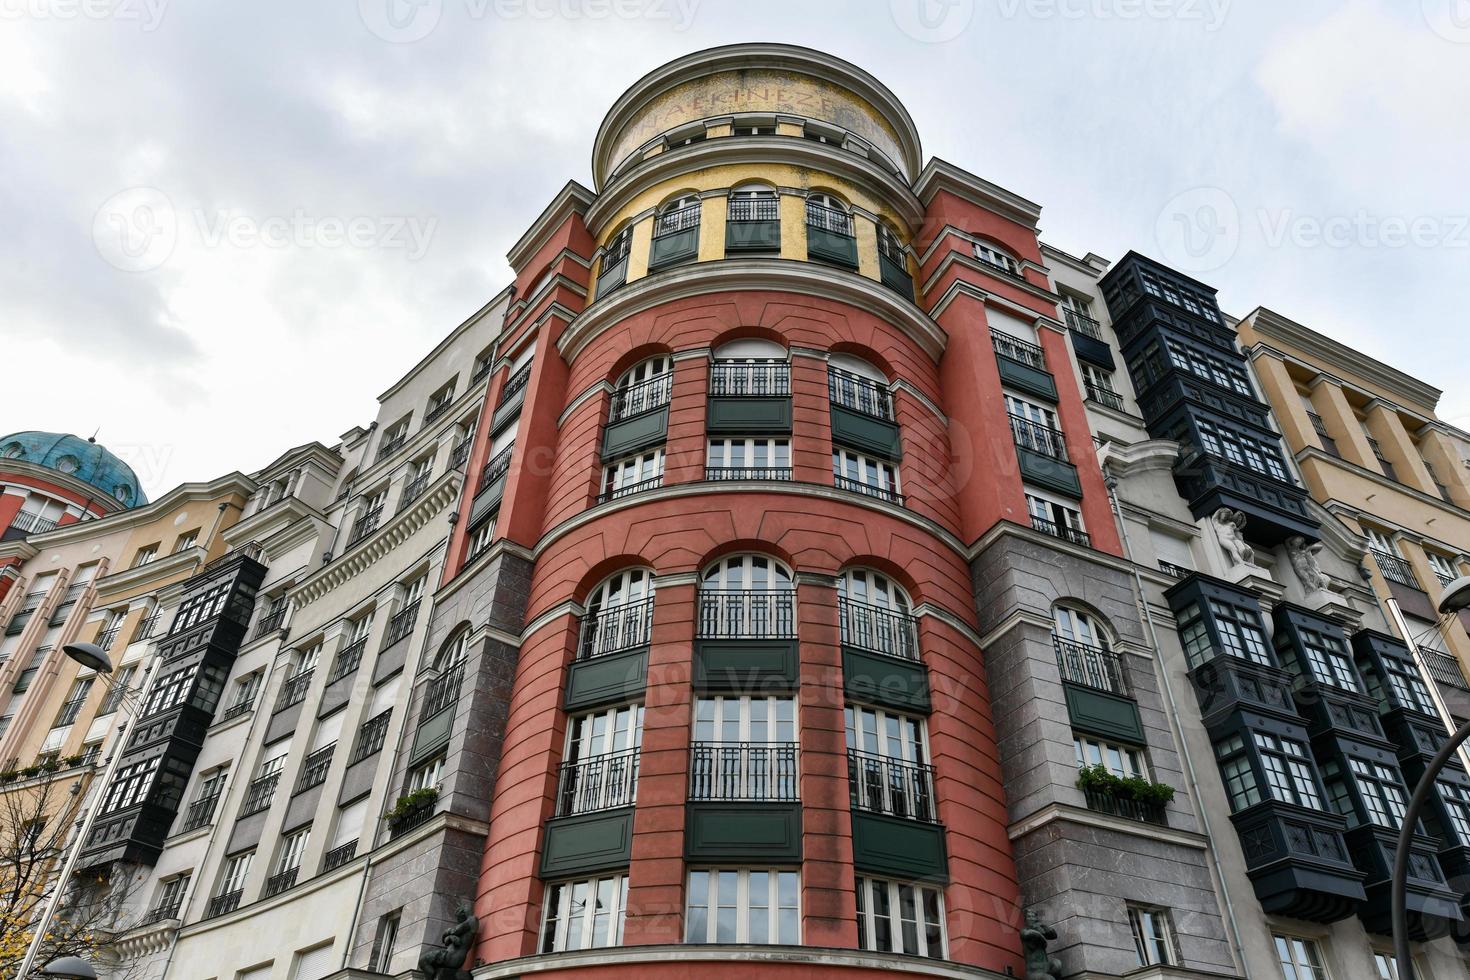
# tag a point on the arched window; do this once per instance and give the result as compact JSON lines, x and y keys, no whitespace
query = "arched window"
{"x":750,"y":368}
{"x":747,"y":596}
{"x":827,"y":213}
{"x":889,"y":244}
{"x":675,"y":232}
{"x":613,"y":271}
{"x":455,"y":650}
{"x":854,"y":383}
{"x":680,"y":214}
{"x":997,"y":258}
{"x":753,"y":202}
{"x":619,"y":614}
{"x":875,"y":614}
{"x":1083,"y":650}
{"x":642,"y":388}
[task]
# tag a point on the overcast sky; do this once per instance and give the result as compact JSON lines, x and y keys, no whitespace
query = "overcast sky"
{"x":225,"y":228}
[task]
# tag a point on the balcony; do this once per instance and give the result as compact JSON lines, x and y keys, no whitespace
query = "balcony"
{"x":515,"y":384}
{"x":402,"y":623}
{"x":749,"y":398}
{"x":829,"y":236}
{"x":862,"y":395}
{"x":442,"y":692}
{"x":278,"y":883}
{"x":601,"y":782}
{"x":1087,"y":339}
{"x":436,"y":410}
{"x":237,"y":709}
{"x":163,"y":913}
{"x":1395,"y":569}
{"x":200,"y":813}
{"x":224,"y":902}
{"x":758,"y":772}
{"x":1041,"y":452}
{"x":370,"y":737}
{"x":1106,"y":397}
{"x":391,"y":446}
{"x":893,"y":272}
{"x":1111,"y":803}
{"x":314,"y":768}
{"x":146,"y":627}
{"x":891,"y":787}
{"x":675,"y":237}
{"x":867,"y":489}
{"x":628,"y":489}
{"x":69,"y":711}
{"x":745,"y":640}
{"x":878,"y":629}
{"x":862,"y":414}
{"x":339,"y":856}
{"x":260,"y":793}
{"x":1089,"y":666}
{"x":269,"y":622}
{"x":1328,"y":443}
{"x":716,"y":474}
{"x":413,"y":490}
{"x":1079,"y":322}
{"x":1063,"y":531}
{"x":615,"y":628}
{"x":747,"y":613}
{"x":492,"y":485}
{"x":28,"y":523}
{"x":753,"y":225}
{"x":613,"y":272}
{"x":366,"y":523}
{"x":638,"y":417}
{"x":1444,"y":668}
{"x":460,"y":454}
{"x":294,"y":690}
{"x":108,"y":637}
{"x":348,"y":659}
{"x":1020,"y":351}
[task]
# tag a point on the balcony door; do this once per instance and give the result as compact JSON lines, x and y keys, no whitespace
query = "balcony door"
{"x":889,"y":763}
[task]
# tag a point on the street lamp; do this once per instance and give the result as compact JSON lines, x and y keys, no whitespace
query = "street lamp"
{"x":69,"y":967}
{"x":93,"y":657}
{"x":1456,"y":598}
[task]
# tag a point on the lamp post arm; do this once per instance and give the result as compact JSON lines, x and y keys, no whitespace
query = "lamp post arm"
{"x":1399,"y":882}
{"x":90,"y":810}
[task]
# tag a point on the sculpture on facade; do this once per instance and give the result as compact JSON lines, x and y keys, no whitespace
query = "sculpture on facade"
{"x":1040,"y":965}
{"x":446,"y":962}
{"x":1230,"y":527}
{"x":1304,"y":562}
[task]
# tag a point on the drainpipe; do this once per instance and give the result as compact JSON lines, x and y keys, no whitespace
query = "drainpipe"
{"x":1189,"y":771}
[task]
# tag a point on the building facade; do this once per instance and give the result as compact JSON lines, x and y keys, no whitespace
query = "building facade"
{"x":802,"y":569}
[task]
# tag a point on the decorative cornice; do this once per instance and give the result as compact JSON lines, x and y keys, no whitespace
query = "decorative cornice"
{"x":941,"y":175}
{"x":1148,"y":456}
{"x":1054,"y":812}
{"x":378,"y":544}
{"x":230,"y":483}
{"x":974,"y":265}
{"x":126,"y":579}
{"x":694,"y":956}
{"x":572,"y":199}
{"x":748,"y":275}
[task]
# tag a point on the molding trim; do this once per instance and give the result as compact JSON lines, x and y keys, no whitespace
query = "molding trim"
{"x":1054,"y":812}
{"x":689,"y":954}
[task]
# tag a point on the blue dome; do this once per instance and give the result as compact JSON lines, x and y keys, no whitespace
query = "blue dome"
{"x":81,"y":459}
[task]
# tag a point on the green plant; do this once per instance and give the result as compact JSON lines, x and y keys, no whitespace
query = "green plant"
{"x":1100,"y":779}
{"x":411,"y":803}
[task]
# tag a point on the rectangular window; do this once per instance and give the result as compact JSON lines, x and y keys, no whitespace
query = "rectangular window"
{"x":170,"y":897}
{"x":1052,"y":516}
{"x":744,"y":749}
{"x":1239,"y":775}
{"x":1288,"y":770}
{"x":427,"y":774}
{"x":1153,"y":935}
{"x":743,"y":906}
{"x":144,"y":555}
{"x":1121,"y":760}
{"x":900,"y":917}
{"x":748,"y":459}
{"x":1299,"y":958}
{"x":237,"y":869}
{"x":1329,"y":660}
{"x":584,"y":914}
{"x":1381,"y":791}
{"x":130,"y":785}
{"x":293,"y":846}
{"x":381,"y":958}
{"x":1240,"y":632}
{"x":185,"y":541}
{"x":632,"y":474}
{"x":866,"y":475}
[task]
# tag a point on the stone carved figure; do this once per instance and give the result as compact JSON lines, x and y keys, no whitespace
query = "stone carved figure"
{"x":1040,"y":965}
{"x":446,"y":962}
{"x":1304,"y":562}
{"x":1230,"y":526}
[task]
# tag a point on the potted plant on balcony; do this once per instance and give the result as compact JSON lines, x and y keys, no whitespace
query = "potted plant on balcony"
{"x":1148,"y":798}
{"x":410,"y":805}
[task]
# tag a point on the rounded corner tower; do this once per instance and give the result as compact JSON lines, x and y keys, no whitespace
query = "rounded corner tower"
{"x":56,"y":478}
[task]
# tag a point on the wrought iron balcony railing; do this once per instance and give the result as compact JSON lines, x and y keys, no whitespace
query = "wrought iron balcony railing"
{"x":1175,"y":571}
{"x":436,"y":410}
{"x":371,"y":736}
{"x":1395,"y":569}
{"x":1320,"y":427}
{"x":278,"y":883}
{"x":1106,"y":397}
{"x":867,"y":489}
{"x":164,"y":912}
{"x":718,"y":473}
{"x":294,"y":690}
{"x":460,"y":454}
{"x":747,"y":613}
{"x":600,"y":782}
{"x":260,"y":793}
{"x":1090,"y":666}
{"x":1062,"y":531}
{"x":366,"y":523}
{"x":515,"y":384}
{"x":828,"y":219}
{"x":401,"y":624}
{"x":754,"y":209}
{"x":413,"y":490}
{"x":736,"y":379}
{"x":442,"y":691}
{"x":224,"y":902}
{"x":1129,"y":809}
{"x":611,"y":628}
{"x":390,"y":447}
{"x":645,"y":396}
{"x":628,"y":489}
{"x":237,"y":709}
{"x":892,"y":787}
{"x":677,"y":220}
{"x":69,"y":711}
{"x":758,"y":772}
{"x":1082,"y":323}
{"x":878,"y":629}
{"x":200,"y":812}
{"x":497,"y":467}
{"x":862,"y":395}
{"x":348,"y":659}
{"x":1019,"y":350}
{"x":1039,"y":438}
{"x":269,"y":622}
{"x":339,"y":856}
{"x":1444,"y":668}
{"x":314,"y":768}
{"x":107,"y":638}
